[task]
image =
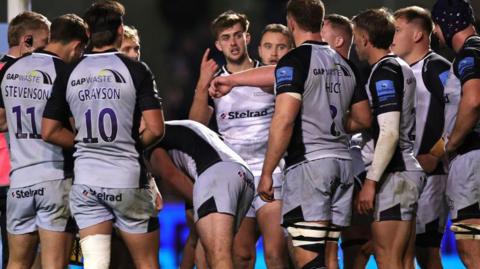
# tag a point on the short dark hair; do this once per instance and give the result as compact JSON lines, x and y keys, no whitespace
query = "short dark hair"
{"x":68,"y":27}
{"x":308,"y":14}
{"x":228,"y":19}
{"x":23,"y":22}
{"x":379,"y":25}
{"x":103,"y":19}
{"x":281,"y":29}
{"x":341,"y":23}
{"x":417,"y":14}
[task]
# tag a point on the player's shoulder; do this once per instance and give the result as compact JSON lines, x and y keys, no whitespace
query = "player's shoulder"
{"x":134,"y":65}
{"x":388,"y":64}
{"x":299,"y":53}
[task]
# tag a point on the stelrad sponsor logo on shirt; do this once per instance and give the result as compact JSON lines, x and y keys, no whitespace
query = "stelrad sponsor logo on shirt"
{"x":244,"y":114}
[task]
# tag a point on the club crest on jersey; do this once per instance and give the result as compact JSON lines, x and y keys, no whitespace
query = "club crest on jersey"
{"x":284,"y":74}
{"x":103,"y":76}
{"x":385,"y":89}
{"x":465,"y":64}
{"x":34,"y":76}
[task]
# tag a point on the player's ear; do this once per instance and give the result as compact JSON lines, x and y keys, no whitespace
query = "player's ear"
{"x":339,"y":41}
{"x":217,"y":45}
{"x":247,"y":38}
{"x":417,"y":35}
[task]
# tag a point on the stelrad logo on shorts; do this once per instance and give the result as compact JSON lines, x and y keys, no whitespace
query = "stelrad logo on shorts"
{"x":19,"y":194}
{"x":104,"y":196}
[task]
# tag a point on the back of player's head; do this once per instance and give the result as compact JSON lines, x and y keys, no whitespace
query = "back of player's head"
{"x":379,"y":26}
{"x":281,"y":29}
{"x":67,"y":28}
{"x":308,"y":14}
{"x":130,"y":32}
{"x":228,"y":19}
{"x":452,"y":16}
{"x":23,"y":23}
{"x":417,"y":15}
{"x":341,"y":23}
{"x":103,"y":19}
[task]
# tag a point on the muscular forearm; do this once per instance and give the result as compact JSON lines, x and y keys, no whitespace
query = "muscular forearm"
{"x":278,"y":140}
{"x":61,"y":137}
{"x":263,"y":77}
{"x":200,"y":110}
{"x":467,"y":118}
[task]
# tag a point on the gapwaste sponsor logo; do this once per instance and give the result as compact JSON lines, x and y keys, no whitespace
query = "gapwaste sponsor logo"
{"x":103,"y":76}
{"x":33,"y":76}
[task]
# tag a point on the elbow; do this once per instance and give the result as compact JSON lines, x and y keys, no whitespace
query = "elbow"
{"x":392,"y":137}
{"x":158,"y":131}
{"x":47,"y":134}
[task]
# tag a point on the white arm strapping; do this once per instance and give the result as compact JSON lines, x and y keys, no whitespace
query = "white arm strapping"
{"x":389,"y":125}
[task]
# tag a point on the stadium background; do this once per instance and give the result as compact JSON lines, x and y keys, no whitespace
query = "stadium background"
{"x":174,"y":34}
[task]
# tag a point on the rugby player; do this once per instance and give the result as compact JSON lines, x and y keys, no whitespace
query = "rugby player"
{"x":107,"y":94}
{"x":394,"y":179}
{"x":454,"y":24}
{"x":131,"y":42}
{"x":337,"y":31}
{"x":243,"y":118}
{"x":413,"y":29}
{"x":41,"y":175}
{"x":21,"y":28}
{"x":222,"y":189}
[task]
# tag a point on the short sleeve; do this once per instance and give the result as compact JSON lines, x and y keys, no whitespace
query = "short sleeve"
{"x":467,"y":65}
{"x":147,"y":92}
{"x":386,"y":87}
{"x":57,"y":107}
{"x":292,"y":71}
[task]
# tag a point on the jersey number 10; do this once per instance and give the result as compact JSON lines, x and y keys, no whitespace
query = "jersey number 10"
{"x":101,"y":126}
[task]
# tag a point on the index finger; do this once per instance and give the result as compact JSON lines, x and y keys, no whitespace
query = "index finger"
{"x":205,"y":55}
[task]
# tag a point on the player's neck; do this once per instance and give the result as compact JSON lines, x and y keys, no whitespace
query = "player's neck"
{"x":376,"y":54}
{"x":303,"y":36}
{"x":104,"y":48}
{"x":459,"y":38}
{"x":14,"y":52}
{"x":58,"y":49}
{"x":235,"y":67}
{"x":416,"y":54}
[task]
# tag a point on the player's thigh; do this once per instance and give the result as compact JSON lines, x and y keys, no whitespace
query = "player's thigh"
{"x":143,"y":247}
{"x":274,"y":235}
{"x":391,"y":235}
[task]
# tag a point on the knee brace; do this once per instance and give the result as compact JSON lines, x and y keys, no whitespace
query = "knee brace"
{"x":96,"y":251}
{"x":465,"y":231}
{"x":317,"y":263}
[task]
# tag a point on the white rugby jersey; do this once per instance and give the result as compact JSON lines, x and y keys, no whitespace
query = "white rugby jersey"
{"x":26,"y":85}
{"x":106,"y":93}
{"x":391,"y":87}
{"x":194,"y":148}
{"x":431,"y":74}
{"x":243,"y":118}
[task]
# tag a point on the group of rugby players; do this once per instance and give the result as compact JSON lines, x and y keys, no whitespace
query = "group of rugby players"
{"x":305,"y":151}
